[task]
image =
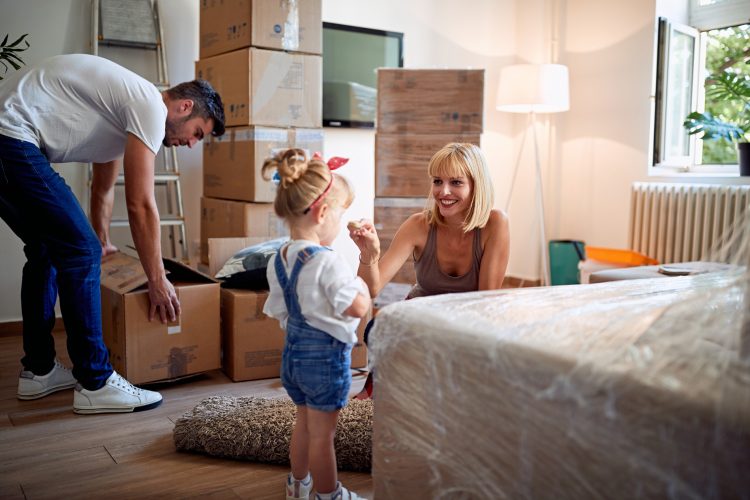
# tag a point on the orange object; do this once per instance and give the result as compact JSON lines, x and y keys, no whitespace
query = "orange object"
{"x":627,"y":258}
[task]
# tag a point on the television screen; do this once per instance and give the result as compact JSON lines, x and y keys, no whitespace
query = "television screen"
{"x":350,"y":57}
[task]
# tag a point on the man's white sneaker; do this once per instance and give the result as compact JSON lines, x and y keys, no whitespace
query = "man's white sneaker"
{"x":32,"y":386}
{"x":296,"y":489}
{"x":117,"y":395}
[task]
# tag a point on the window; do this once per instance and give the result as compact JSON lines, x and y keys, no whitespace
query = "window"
{"x":717,"y":39}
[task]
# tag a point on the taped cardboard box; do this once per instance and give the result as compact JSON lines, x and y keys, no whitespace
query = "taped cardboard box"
{"x":227,"y":25}
{"x":267,"y":87}
{"x":430,"y":101}
{"x":232,"y":163}
{"x":252,"y":342}
{"x":225,"y":218}
{"x":401,"y":161}
{"x":390,"y":213}
{"x":144,"y":351}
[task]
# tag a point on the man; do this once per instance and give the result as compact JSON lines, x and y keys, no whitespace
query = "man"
{"x":82,"y":108}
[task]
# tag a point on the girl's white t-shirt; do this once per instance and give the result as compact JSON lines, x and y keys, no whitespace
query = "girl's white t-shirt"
{"x":326,"y":287}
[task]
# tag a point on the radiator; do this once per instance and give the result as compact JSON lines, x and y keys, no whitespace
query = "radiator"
{"x":683,"y":222}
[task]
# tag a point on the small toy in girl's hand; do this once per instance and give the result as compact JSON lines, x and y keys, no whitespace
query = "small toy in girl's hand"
{"x":353,"y":225}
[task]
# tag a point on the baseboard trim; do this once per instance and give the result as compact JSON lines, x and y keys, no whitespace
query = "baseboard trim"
{"x":11,"y":328}
{"x":15,"y":328}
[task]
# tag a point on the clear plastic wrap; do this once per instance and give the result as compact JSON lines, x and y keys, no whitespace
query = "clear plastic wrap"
{"x":629,"y":389}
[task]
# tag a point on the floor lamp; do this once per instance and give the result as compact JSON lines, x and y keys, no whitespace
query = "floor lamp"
{"x":533,"y":89}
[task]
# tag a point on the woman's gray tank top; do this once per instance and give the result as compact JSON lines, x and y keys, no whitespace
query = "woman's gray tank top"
{"x":432,"y":281}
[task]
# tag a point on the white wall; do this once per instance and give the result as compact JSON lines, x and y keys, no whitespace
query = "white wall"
{"x":591,"y":154}
{"x":604,"y":138}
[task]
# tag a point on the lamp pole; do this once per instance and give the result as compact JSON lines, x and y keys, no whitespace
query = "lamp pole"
{"x":540,"y":199}
{"x":532,"y":89}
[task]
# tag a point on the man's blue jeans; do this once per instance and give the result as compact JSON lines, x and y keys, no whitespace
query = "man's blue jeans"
{"x":62,"y":252}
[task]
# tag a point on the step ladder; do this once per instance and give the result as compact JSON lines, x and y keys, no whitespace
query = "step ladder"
{"x":131,"y":31}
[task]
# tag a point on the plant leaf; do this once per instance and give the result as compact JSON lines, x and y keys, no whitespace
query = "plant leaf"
{"x":5,"y":40}
{"x":10,"y":56}
{"x":711,"y":127}
{"x":728,"y":86}
{"x":19,"y":40}
{"x":13,"y":63}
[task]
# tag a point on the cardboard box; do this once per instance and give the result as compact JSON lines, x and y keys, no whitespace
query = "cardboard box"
{"x":401,"y":161}
{"x":252,"y":342}
{"x":222,"y":218}
{"x":390,"y":213}
{"x":267,"y":87}
{"x":232,"y":163}
{"x":430,"y":101}
{"x":349,"y":101}
{"x":144,"y":351}
{"x":227,"y":25}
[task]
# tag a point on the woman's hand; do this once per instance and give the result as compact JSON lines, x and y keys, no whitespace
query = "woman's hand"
{"x":364,"y":235}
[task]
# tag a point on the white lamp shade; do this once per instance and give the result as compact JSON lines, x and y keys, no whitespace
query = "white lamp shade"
{"x":538,"y":88}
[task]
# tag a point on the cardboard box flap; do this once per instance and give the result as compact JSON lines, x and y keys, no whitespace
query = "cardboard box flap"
{"x":122,"y":273}
{"x":177,"y":271}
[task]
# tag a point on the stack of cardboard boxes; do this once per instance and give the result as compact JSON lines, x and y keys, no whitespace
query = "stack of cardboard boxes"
{"x":263,"y":58}
{"x":419,"y":112}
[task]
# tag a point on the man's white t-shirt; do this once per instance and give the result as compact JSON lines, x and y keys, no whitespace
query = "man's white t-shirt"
{"x":79,"y":107}
{"x":326,"y":287}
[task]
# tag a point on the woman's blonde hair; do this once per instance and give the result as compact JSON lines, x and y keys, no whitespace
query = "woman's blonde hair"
{"x":463,"y":160}
{"x":303,"y":182}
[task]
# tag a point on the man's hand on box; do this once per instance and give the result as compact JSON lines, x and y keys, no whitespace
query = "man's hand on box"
{"x":108,"y":249}
{"x":163,"y":300}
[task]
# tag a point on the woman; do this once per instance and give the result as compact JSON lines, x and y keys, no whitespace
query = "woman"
{"x":459,"y":242}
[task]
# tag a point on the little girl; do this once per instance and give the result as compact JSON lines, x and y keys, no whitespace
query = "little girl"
{"x":318,"y":301}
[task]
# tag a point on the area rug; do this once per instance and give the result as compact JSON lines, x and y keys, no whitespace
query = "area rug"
{"x":259,"y":430}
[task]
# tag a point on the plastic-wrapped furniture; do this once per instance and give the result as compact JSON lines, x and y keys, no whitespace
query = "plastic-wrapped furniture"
{"x":629,"y":389}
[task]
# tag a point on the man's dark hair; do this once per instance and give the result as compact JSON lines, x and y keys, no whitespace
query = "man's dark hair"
{"x":206,"y":102}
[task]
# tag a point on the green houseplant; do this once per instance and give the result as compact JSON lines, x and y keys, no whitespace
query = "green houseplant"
{"x":726,"y":121}
{"x":9,"y":53}
{"x":729,"y":87}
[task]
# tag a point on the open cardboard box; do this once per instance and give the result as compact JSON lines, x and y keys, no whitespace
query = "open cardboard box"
{"x":149,"y":351}
{"x":251,"y":341}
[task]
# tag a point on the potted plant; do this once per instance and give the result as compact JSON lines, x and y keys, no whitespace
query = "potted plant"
{"x":9,"y":53}
{"x":734,"y":88}
{"x":725,"y":124}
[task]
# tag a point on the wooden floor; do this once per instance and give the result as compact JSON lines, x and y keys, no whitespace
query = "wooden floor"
{"x":47,"y":451}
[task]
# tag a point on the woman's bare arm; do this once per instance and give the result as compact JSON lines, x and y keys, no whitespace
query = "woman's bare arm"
{"x":377,"y":271}
{"x":496,"y":252}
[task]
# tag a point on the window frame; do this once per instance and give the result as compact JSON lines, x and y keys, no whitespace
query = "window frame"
{"x":703,"y":17}
{"x":665,"y":33}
